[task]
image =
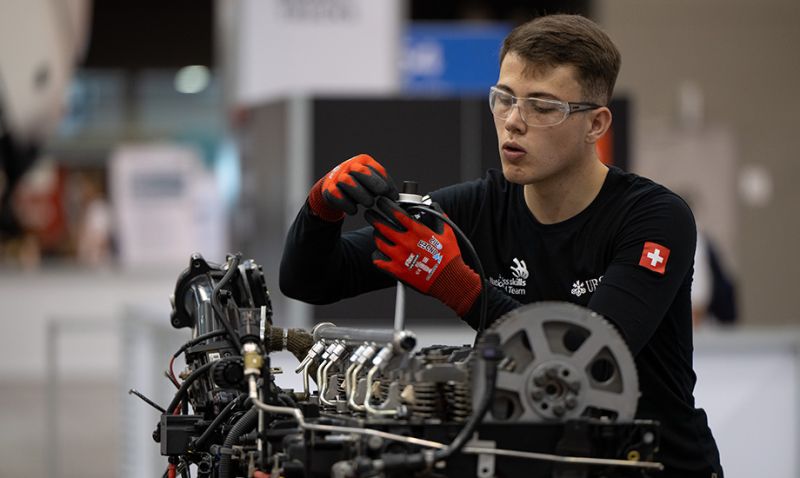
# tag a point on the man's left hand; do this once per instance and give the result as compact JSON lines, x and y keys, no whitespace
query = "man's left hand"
{"x":428,"y":259}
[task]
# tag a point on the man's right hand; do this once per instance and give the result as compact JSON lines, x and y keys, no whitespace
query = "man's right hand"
{"x":359,"y":180}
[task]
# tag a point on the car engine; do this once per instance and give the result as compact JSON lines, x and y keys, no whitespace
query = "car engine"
{"x":550,"y":389}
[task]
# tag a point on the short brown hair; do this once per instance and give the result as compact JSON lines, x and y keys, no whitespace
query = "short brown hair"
{"x":555,"y":40}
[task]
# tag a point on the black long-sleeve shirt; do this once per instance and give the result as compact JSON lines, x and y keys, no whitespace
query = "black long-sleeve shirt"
{"x":628,"y":256}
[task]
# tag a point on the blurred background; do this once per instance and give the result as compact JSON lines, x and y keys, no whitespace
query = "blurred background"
{"x":133,"y":134}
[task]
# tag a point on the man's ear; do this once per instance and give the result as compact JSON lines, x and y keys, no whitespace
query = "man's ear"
{"x":600,"y":122}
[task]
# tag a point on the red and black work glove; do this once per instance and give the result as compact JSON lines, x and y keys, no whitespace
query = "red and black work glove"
{"x":426,"y":258}
{"x":359,"y":180}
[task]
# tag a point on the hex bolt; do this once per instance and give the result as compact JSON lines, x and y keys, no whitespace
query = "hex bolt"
{"x":558,"y":410}
{"x":571,"y":403}
{"x":537,"y":395}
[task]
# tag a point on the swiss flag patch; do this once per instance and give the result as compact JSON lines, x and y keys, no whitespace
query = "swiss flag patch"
{"x":654,"y":257}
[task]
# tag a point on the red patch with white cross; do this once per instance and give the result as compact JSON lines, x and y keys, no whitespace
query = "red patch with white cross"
{"x":654,"y":257}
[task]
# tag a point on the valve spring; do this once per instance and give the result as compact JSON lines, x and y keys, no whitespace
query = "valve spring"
{"x":426,"y":400}
{"x":459,"y":401}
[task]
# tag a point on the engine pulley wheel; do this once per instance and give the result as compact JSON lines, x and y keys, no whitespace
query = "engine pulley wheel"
{"x":562,"y":361}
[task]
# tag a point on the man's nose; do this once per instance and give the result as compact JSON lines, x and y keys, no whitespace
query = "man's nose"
{"x":514,"y":122}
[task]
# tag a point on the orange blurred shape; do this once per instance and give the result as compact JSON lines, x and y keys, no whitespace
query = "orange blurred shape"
{"x":605,"y":148}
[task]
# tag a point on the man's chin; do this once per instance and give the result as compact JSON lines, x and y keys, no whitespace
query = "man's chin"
{"x":515,"y":175}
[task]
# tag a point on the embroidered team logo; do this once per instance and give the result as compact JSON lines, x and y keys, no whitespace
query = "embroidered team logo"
{"x":654,"y":257}
{"x":587,"y":286}
{"x":518,"y":282}
{"x":519,"y":269}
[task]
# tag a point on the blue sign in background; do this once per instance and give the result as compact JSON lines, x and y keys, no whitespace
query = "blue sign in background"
{"x":452,"y":58}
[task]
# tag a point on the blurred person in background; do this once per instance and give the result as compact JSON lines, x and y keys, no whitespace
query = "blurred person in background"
{"x":713,"y":288}
{"x":35,"y":217}
{"x":554,"y":224}
{"x":93,"y":235}
{"x":17,"y":245}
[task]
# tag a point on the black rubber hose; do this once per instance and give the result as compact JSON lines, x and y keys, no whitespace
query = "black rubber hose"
{"x":223,"y":415}
{"x":491,"y":354}
{"x":233,"y":264}
{"x":483,"y":296}
{"x":289,"y":400}
{"x":244,"y":425}
{"x":198,"y":372}
{"x":198,"y":339}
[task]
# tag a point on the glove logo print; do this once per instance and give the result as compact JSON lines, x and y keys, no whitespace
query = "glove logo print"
{"x":578,"y":289}
{"x":431,"y":249}
{"x":413,"y":263}
{"x":423,"y":266}
{"x":519,"y":269}
{"x":411,"y":260}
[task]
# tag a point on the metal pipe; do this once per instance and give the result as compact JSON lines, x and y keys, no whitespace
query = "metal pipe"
{"x":351,"y":399}
{"x":335,"y":355}
{"x":370,"y":409}
{"x":402,"y":339}
{"x":353,"y":362}
{"x":368,"y":352}
{"x":323,"y":387}
{"x":298,"y":415}
{"x":315,"y":350}
{"x":379,"y":363}
{"x":400,"y":307}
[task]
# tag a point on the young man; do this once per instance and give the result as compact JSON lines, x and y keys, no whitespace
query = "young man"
{"x":578,"y":231}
